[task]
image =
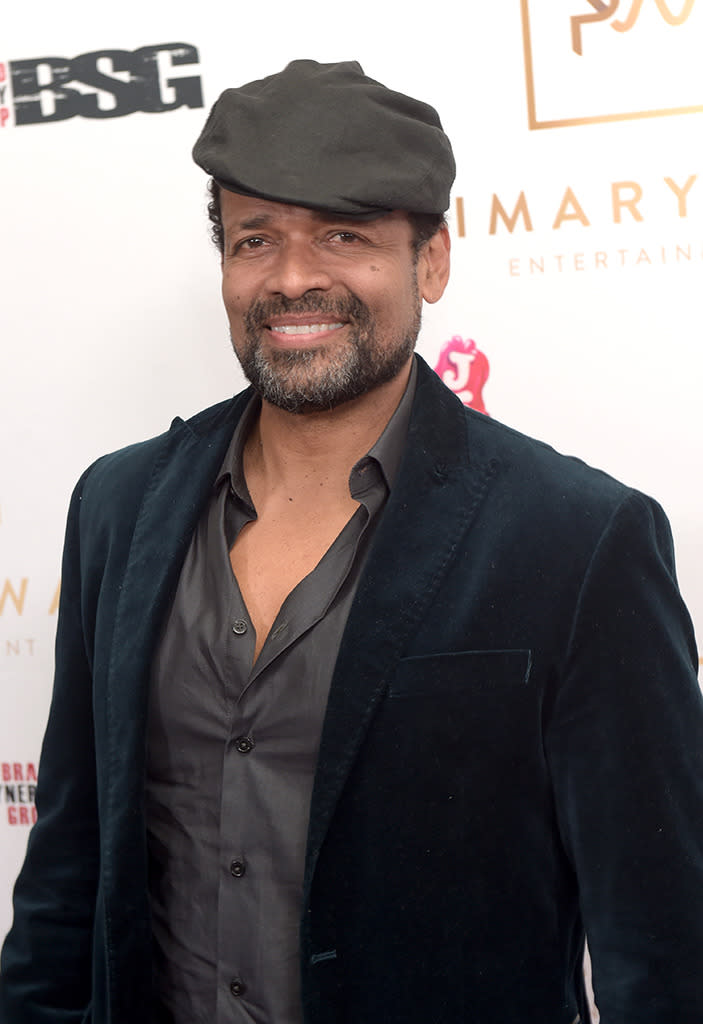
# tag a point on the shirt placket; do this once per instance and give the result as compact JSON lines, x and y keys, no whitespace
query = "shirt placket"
{"x":256,"y":699}
{"x":235,"y":894}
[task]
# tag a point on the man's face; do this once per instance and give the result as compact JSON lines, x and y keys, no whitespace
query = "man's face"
{"x":322,"y":308}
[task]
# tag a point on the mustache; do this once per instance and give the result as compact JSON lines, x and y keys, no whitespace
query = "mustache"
{"x":343,"y":307}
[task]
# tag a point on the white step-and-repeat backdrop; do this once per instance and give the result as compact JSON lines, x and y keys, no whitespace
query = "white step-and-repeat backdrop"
{"x":574,"y":311}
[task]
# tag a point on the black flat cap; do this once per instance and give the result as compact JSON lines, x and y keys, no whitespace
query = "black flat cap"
{"x":326,"y":136}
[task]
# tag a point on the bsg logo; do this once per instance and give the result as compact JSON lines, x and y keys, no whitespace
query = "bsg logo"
{"x":100,"y":84}
{"x":605,"y":11}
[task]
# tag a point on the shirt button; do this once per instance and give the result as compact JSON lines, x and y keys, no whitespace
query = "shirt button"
{"x":243,"y":744}
{"x":237,"y":867}
{"x":239,"y":626}
{"x":237,"y":987}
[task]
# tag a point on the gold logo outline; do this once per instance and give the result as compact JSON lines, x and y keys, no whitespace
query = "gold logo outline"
{"x":535,"y":124}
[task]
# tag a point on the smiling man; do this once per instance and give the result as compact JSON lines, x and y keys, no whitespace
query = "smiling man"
{"x":367,"y":708}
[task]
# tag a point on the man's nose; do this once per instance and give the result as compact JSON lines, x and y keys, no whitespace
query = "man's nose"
{"x":299,"y":267}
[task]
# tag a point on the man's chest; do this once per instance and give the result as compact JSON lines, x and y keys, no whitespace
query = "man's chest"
{"x":272,"y":555}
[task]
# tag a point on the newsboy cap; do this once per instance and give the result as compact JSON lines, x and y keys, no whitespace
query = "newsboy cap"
{"x":325,"y":136}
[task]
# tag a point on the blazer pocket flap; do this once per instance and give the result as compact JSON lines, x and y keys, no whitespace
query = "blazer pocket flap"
{"x":460,"y":672}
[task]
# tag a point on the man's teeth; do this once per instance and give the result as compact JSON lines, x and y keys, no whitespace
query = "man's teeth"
{"x":305,"y":328}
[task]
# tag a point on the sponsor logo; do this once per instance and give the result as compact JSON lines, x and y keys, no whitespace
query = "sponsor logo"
{"x":593,"y":61}
{"x":16,"y":598}
{"x":618,"y":202}
{"x":13,"y":596}
{"x":672,"y":203}
{"x":603,"y":11}
{"x":100,"y":84}
{"x":464,"y":368}
{"x":4,"y":96}
{"x":18,"y":783}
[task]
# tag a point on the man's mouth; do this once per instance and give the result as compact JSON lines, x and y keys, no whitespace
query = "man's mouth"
{"x":304,"y":328}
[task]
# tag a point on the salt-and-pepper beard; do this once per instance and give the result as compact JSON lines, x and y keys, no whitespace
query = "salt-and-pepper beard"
{"x":315,"y":379}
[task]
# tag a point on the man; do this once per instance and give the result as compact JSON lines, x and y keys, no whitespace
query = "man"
{"x":367,"y":707}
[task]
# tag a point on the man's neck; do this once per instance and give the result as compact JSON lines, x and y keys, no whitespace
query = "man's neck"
{"x":296,"y":452}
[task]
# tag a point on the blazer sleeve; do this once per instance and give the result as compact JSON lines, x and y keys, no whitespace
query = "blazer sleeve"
{"x":625,"y":747}
{"x":47,"y":956}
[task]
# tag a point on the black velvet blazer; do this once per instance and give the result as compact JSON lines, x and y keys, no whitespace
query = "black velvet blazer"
{"x":511,"y":754}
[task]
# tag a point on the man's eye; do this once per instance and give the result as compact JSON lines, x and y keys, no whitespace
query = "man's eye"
{"x":247,"y":244}
{"x":346,"y":236}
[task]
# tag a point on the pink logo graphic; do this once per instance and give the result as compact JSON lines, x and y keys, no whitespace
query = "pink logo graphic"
{"x":464,"y":368}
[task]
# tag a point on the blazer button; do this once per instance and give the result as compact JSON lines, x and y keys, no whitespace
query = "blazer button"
{"x":239,"y":626}
{"x":237,"y":987}
{"x":237,"y":868}
{"x":244,"y":745}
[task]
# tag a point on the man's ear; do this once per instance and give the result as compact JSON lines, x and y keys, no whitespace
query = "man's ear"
{"x":433,"y":265}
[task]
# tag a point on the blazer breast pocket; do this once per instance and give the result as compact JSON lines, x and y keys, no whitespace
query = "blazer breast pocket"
{"x":457,"y":734}
{"x":460,"y":673}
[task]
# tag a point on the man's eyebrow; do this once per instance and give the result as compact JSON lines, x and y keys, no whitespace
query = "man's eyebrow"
{"x":254,"y":223}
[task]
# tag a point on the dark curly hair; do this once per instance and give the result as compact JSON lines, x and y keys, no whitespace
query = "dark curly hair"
{"x":424,"y":225}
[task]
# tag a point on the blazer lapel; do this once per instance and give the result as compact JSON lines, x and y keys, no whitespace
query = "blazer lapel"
{"x":432,"y":504}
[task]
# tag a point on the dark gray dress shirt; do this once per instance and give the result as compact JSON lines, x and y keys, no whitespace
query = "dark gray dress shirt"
{"x":232,"y":751}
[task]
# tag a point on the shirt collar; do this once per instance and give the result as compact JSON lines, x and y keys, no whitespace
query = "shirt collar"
{"x":387,"y":452}
{"x":232,"y":468}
